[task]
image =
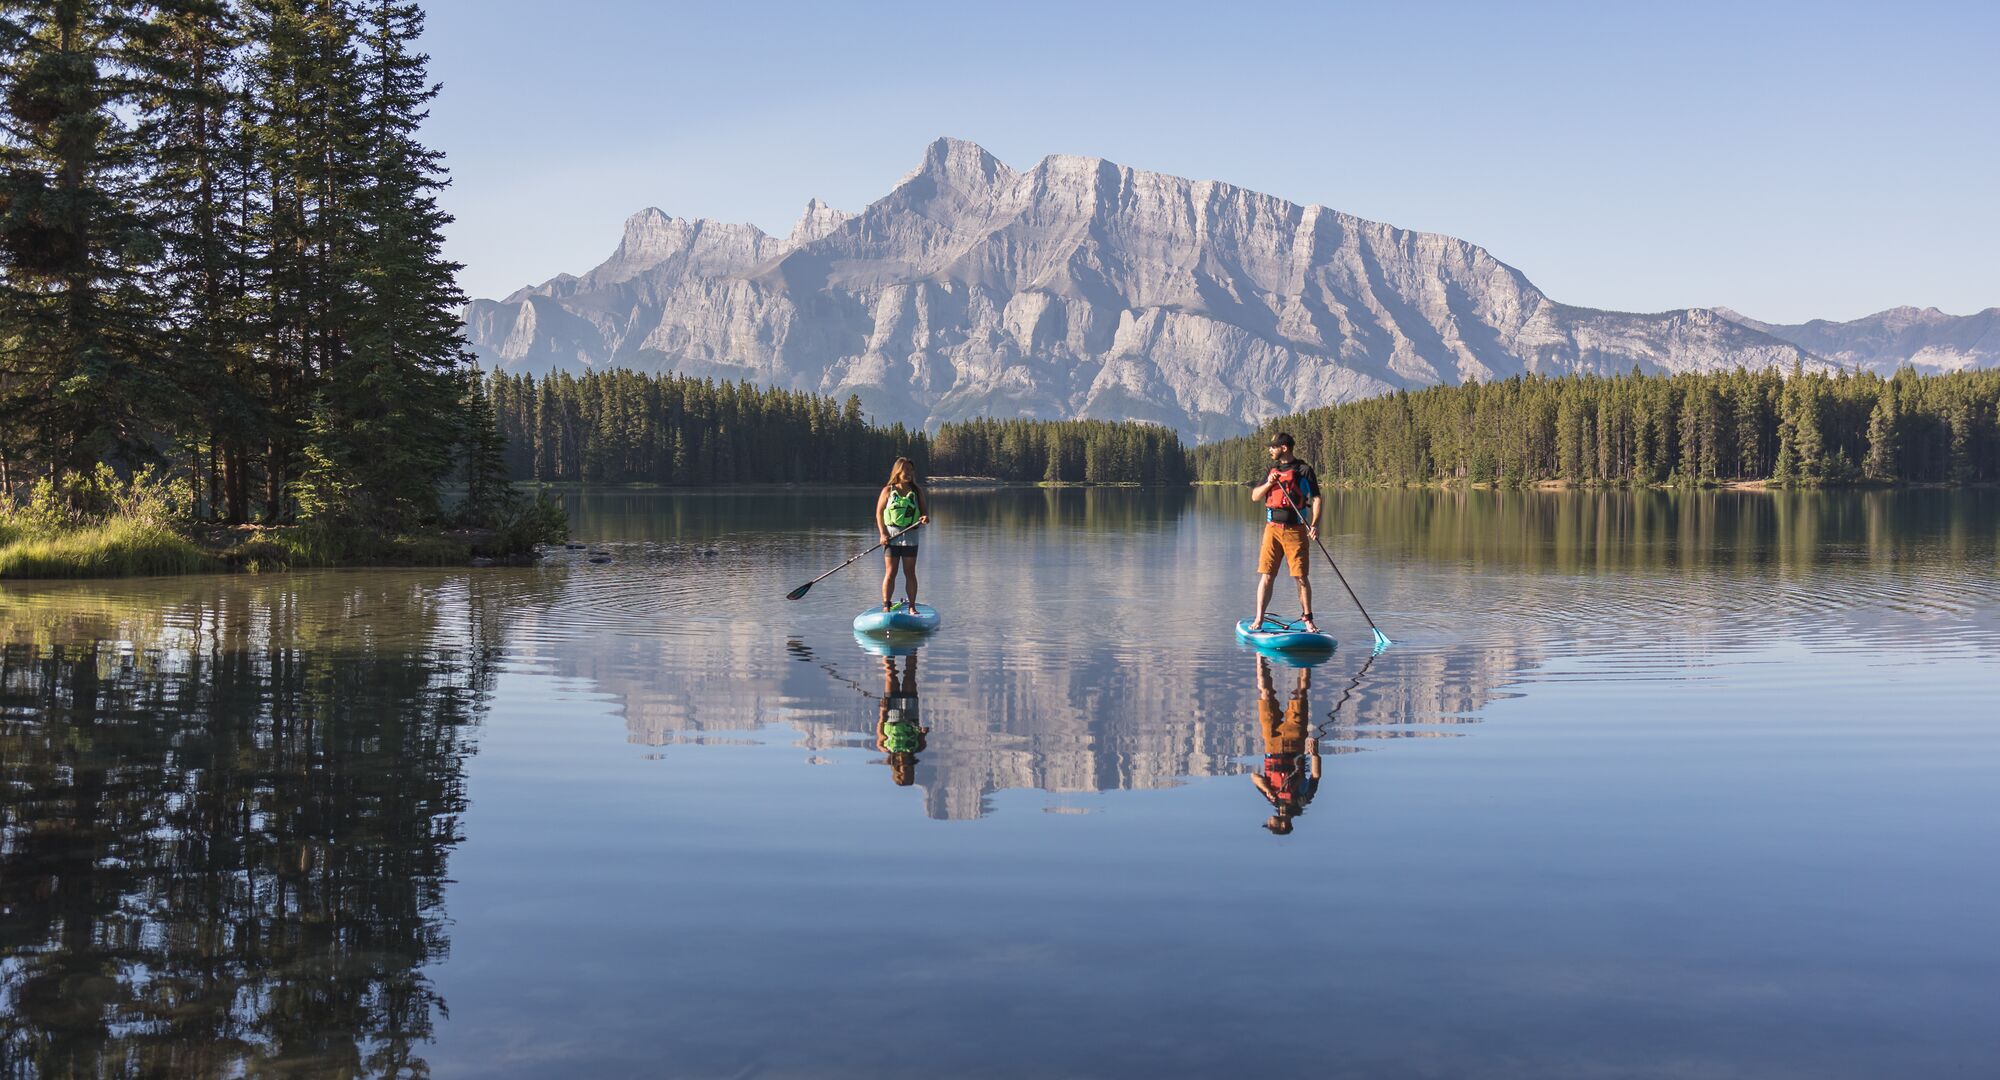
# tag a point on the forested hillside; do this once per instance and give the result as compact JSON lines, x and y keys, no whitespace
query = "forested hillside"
{"x":620,"y":426}
{"x":1805,"y":429}
{"x":1069,"y":451}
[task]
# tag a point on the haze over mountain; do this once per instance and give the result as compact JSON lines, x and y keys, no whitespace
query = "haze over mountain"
{"x":1924,"y":338}
{"x":1083,"y":288}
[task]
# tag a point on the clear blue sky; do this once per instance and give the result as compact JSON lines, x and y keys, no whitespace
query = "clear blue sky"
{"x":1790,"y":161}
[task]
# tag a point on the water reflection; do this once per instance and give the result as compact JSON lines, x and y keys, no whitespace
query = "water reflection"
{"x":1289,"y":776}
{"x":224,"y":839}
{"x":227,"y":806}
{"x":899,"y":729}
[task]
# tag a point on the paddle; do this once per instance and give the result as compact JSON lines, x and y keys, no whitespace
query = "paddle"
{"x":1381,"y":639}
{"x":807,"y":587}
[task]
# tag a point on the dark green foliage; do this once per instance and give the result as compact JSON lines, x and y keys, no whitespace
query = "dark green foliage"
{"x":85,"y":366}
{"x":1071,"y":451}
{"x":385,"y":415}
{"x":220,"y":247}
{"x":489,"y":498}
{"x":1804,"y":429}
{"x":619,"y":427}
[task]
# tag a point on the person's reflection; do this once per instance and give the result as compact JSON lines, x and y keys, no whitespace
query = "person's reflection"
{"x":899,"y":732}
{"x":1290,"y":775}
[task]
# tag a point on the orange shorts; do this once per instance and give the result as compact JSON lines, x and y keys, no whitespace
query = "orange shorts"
{"x":1286,"y":543}
{"x":1284,"y":733}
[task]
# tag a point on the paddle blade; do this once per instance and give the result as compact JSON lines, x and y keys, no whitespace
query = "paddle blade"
{"x":1381,"y":641}
{"x":800,"y":591}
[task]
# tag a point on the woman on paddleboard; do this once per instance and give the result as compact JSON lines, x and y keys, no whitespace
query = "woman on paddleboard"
{"x":1290,"y":495}
{"x":899,"y":730}
{"x":899,"y":509}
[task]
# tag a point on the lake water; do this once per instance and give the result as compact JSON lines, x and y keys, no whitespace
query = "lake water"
{"x":1650,"y":785}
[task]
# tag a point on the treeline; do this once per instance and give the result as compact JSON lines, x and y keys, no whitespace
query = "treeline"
{"x":1068,"y":451}
{"x":620,"y":426}
{"x":221,"y":256}
{"x":1804,"y":429}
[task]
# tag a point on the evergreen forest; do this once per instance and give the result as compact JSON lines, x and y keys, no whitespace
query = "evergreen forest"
{"x":221,"y":266}
{"x":621,"y":426}
{"x":1806,"y":429}
{"x":1061,"y":451}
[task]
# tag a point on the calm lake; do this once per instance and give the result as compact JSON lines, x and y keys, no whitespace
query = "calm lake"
{"x":1651,"y":784}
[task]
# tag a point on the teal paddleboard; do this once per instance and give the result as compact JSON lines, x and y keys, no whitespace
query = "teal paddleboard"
{"x":877,"y":621}
{"x":1281,"y":636}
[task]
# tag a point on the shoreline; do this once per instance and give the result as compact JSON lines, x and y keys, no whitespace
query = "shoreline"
{"x":125,"y":548}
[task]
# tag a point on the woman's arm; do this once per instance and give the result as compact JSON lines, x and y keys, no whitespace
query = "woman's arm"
{"x":881,"y":504}
{"x":923,"y":507}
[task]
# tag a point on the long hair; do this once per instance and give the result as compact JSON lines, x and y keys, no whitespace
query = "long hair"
{"x":903,"y":473}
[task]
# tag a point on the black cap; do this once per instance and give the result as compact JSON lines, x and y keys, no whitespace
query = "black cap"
{"x":1282,"y":438}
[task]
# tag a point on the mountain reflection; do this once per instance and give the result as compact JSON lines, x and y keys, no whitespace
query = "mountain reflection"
{"x":227,"y":818}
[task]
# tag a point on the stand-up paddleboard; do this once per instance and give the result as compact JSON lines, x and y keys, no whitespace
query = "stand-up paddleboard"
{"x":877,"y":621}
{"x":1281,"y":636}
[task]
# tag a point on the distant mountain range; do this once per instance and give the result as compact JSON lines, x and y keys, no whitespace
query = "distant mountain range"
{"x":1924,"y":338}
{"x":1083,"y":288}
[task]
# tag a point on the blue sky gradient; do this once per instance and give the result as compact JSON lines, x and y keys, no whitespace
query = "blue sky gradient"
{"x":1790,"y":161}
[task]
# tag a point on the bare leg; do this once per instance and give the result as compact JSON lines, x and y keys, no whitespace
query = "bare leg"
{"x":910,"y":579}
{"x":1306,"y":597}
{"x":1264,"y":593}
{"x":888,"y":579}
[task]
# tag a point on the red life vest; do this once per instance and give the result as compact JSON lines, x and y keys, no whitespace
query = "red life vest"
{"x":1286,"y":484}
{"x":1280,"y":771}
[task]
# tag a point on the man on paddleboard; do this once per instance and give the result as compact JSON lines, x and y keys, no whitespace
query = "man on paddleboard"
{"x":1290,"y":489}
{"x":1289,"y":777}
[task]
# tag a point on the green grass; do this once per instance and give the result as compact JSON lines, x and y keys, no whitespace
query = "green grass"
{"x":117,"y":548}
{"x":311,"y":546}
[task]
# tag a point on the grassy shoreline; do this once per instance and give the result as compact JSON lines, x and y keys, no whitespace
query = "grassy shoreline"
{"x":136,"y":547}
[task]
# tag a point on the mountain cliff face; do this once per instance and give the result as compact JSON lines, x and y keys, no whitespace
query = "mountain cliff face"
{"x":1080,"y":288}
{"x":1924,"y":338}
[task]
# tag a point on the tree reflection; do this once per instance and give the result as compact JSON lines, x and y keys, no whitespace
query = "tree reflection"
{"x":224,"y":853}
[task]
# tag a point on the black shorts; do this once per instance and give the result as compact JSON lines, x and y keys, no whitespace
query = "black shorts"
{"x":900,"y":552}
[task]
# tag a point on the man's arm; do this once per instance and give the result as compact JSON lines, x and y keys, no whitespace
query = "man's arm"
{"x":1257,"y":493}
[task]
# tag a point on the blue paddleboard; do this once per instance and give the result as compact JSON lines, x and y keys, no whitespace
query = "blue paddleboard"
{"x":877,"y":621}
{"x":1282,"y":636}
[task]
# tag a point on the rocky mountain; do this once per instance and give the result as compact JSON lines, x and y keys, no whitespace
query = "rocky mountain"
{"x":1924,"y":338}
{"x":1080,"y":288}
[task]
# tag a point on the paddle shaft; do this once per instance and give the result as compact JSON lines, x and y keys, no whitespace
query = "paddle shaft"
{"x":1301,"y":515}
{"x":801,"y":590}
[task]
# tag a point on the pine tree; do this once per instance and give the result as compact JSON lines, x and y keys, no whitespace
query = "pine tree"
{"x":394,"y":397}
{"x":1884,"y":422}
{"x":85,"y":362}
{"x":488,"y":497}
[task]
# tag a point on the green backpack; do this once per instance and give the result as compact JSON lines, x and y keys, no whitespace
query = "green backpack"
{"x":901,"y":512}
{"x":900,"y":738}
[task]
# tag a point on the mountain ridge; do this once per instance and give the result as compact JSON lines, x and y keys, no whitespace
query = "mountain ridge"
{"x":1081,"y":287}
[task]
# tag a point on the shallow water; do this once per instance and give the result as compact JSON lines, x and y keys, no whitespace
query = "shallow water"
{"x":1651,"y":784}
